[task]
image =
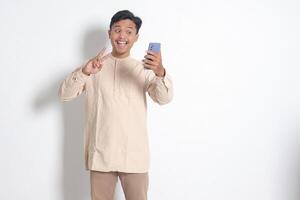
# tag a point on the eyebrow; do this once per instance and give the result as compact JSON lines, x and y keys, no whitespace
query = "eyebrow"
{"x":118,"y":26}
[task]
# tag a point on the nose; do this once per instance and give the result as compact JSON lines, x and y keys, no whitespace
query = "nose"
{"x":122,"y":35}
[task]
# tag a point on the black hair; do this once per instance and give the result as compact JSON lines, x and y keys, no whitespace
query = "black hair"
{"x":126,"y":14}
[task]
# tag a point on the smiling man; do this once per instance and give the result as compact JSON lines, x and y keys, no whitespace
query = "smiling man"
{"x":115,"y":86}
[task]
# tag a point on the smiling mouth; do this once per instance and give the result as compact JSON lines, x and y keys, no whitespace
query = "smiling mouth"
{"x":122,"y":44}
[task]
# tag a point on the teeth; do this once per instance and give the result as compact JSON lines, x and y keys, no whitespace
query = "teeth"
{"x":121,"y":42}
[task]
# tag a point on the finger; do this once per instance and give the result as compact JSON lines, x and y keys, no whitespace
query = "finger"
{"x":105,"y":57}
{"x":100,"y":60}
{"x":148,"y":56}
{"x":99,"y":66}
{"x":150,"y":62}
{"x":99,"y":55}
{"x":96,"y":64}
{"x":148,"y":66}
{"x":155,"y":54}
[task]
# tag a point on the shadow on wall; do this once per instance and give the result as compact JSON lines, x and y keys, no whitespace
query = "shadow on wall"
{"x":75,"y":179}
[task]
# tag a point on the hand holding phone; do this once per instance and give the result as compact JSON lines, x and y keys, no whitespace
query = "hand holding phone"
{"x":153,"y":61}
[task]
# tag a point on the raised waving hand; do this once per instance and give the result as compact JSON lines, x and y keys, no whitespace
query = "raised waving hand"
{"x":94,"y":65}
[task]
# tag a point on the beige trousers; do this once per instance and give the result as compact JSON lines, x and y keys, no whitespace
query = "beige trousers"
{"x":103,"y":184}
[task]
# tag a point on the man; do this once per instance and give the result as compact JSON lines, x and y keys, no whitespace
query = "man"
{"x":115,"y":85}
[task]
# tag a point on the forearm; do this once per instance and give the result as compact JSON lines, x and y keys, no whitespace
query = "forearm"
{"x":161,"y":89}
{"x":73,"y":85}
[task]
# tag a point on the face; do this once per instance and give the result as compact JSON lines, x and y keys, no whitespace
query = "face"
{"x":122,"y":36}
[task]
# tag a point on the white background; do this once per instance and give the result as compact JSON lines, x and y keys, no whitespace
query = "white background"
{"x":231,"y":132}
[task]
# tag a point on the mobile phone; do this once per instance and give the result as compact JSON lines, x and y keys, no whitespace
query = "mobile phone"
{"x":154,"y":46}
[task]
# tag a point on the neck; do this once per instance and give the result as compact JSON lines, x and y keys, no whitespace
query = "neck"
{"x":120,"y":55}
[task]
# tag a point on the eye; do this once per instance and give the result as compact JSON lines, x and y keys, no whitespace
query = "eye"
{"x":117,"y":30}
{"x":129,"y":32}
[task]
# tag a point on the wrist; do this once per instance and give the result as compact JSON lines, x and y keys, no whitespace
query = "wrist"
{"x":161,"y":72}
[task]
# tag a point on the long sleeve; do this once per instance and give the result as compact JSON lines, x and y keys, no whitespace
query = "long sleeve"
{"x":160,"y":89}
{"x":73,"y":85}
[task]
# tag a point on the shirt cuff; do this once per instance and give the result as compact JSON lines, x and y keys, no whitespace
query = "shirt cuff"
{"x":79,"y":76}
{"x":166,"y":80}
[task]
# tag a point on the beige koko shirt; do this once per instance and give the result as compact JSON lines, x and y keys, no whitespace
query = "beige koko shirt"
{"x":115,"y":129}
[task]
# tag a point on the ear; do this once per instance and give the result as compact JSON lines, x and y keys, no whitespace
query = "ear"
{"x":136,"y":37}
{"x":109,"y":32}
